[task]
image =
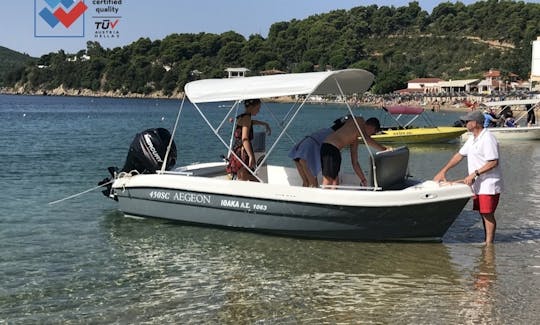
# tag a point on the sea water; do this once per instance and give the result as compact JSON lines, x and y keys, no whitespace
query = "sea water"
{"x":82,"y":261}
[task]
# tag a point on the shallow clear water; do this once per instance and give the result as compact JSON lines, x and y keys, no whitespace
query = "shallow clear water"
{"x":82,"y":261}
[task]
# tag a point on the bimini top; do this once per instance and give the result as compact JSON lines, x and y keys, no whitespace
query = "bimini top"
{"x":513,"y":102}
{"x":404,"y":109}
{"x":351,"y":81}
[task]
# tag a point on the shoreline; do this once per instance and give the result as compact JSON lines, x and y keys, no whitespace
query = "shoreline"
{"x":63,"y":92}
{"x":370,"y":101}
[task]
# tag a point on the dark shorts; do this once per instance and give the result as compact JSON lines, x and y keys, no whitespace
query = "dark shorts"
{"x":485,"y":203}
{"x":330,"y":160}
{"x":531,"y":117}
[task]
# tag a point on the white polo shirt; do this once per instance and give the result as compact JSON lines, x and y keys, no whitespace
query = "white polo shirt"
{"x":478,"y":152}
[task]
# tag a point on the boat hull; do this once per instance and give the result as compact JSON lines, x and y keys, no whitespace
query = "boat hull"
{"x":519,"y":133}
{"x":420,"y":135}
{"x":512,"y":134}
{"x":414,"y":222}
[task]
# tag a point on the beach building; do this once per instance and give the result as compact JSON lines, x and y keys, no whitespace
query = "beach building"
{"x":458,"y":86}
{"x":421,"y":85}
{"x":492,"y":81}
{"x":535,"y":65}
{"x":236,"y":72}
{"x":495,"y":81}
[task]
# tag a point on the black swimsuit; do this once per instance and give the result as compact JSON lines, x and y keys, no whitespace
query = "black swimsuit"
{"x":531,"y":118}
{"x":330,"y":160}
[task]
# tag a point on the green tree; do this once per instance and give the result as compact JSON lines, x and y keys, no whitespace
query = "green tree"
{"x":395,"y":43}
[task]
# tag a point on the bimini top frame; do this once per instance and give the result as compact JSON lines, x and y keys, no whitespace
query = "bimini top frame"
{"x":345,"y":82}
{"x":341,"y":82}
{"x":534,"y":102}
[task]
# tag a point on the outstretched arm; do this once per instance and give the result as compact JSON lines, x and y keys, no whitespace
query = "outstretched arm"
{"x":375,"y":144}
{"x":369,"y":141}
{"x":356,"y":165}
{"x":441,"y":175}
{"x":266,"y":125}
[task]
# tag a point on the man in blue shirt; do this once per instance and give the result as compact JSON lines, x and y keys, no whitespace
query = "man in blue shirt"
{"x":489,"y":120}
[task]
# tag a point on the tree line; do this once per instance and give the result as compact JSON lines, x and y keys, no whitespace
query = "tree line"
{"x":395,"y":43}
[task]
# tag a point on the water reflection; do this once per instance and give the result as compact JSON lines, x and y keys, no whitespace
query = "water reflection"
{"x":483,"y":298}
{"x":227,"y":276}
{"x":485,"y":274}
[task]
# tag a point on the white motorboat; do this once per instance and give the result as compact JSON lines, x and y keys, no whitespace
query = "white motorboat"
{"x":522,"y":132}
{"x":392,"y":208}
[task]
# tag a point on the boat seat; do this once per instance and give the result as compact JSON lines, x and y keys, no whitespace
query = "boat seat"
{"x":391,"y":168}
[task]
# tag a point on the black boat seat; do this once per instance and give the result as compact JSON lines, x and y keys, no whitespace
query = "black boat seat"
{"x":390,"y":167}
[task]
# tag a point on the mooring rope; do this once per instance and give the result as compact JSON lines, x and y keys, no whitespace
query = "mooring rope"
{"x":120,"y":175}
{"x":81,"y":193}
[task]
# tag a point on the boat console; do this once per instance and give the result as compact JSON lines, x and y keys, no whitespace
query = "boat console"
{"x":390,"y":167}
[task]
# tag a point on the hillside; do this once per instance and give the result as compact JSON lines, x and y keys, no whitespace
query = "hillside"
{"x":397,"y":44}
{"x":11,"y":61}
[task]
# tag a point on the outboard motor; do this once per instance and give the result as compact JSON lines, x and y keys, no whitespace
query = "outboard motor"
{"x":146,"y":155}
{"x":147,"y":152}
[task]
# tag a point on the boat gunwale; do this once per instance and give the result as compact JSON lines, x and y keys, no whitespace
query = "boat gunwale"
{"x":292,"y":193}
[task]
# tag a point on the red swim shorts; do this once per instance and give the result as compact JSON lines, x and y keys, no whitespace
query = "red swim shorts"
{"x":486,"y":203}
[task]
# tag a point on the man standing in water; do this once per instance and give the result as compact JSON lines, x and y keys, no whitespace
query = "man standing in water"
{"x":485,"y":177}
{"x":347,"y":135}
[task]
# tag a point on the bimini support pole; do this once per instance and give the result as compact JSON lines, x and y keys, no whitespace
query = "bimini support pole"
{"x":215,"y":131}
{"x":164,"y":165}
{"x":280,"y":123}
{"x":527,"y":112}
{"x":283,"y":131}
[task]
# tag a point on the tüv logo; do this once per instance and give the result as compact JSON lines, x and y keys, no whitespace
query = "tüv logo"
{"x":59,"y":18}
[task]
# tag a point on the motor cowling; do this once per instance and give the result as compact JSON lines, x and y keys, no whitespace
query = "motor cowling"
{"x":147,"y":152}
{"x":145,"y":156}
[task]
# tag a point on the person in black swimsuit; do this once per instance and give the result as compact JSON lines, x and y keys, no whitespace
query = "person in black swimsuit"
{"x":347,"y":135}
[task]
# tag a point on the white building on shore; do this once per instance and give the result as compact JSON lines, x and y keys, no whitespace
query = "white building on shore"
{"x":535,"y":65}
{"x":236,"y":72}
{"x":456,"y":86}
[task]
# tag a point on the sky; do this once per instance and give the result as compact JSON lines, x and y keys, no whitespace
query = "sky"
{"x":24,"y":30}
